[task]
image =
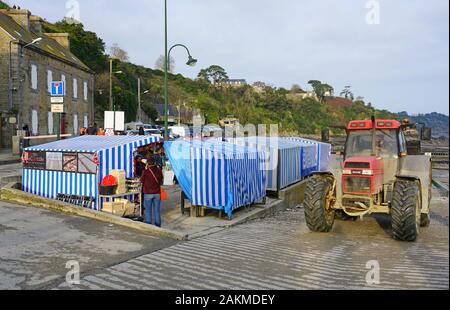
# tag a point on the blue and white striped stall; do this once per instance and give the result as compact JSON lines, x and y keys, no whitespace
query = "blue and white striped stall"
{"x":111,"y":152}
{"x":288,"y":162}
{"x":323,"y":151}
{"x":218,"y":175}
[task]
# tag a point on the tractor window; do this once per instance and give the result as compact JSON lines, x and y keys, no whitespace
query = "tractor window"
{"x":359,"y":143}
{"x":386,"y":143}
{"x":403,"y":147}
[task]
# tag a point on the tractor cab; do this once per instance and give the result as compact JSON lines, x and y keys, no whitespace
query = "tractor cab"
{"x":371,"y":158}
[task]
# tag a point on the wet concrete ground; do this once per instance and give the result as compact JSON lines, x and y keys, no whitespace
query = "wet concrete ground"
{"x":35,"y":246}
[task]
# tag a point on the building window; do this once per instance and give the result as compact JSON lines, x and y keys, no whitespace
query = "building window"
{"x":34,"y":77}
{"x":75,"y":124}
{"x":50,"y":123}
{"x":63,"y":79}
{"x":75,"y":88}
{"x":85,"y":91}
{"x":49,"y":80}
{"x":86,"y":124}
{"x":34,"y":122}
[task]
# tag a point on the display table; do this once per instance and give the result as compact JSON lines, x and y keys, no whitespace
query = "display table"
{"x":112,"y":197}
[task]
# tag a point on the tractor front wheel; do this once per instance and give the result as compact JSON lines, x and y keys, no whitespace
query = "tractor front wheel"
{"x":406,"y":210}
{"x":319,"y":200}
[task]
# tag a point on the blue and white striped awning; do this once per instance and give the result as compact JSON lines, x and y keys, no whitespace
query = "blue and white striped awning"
{"x":114,"y":152}
{"x":93,"y":144}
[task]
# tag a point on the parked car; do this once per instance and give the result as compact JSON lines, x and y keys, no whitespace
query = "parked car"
{"x":154,"y":132}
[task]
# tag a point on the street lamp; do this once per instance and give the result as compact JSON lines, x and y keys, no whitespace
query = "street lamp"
{"x":191,"y":62}
{"x":29,"y":44}
{"x":139,"y":99}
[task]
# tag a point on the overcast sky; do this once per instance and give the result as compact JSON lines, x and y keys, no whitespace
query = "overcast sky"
{"x":401,"y":63}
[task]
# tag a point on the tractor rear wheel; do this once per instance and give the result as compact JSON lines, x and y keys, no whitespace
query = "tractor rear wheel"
{"x":406,"y":210}
{"x":319,"y":201}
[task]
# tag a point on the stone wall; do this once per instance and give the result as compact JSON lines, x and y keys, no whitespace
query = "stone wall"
{"x":25,"y":99}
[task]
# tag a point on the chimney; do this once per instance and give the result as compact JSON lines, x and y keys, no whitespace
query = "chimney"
{"x":62,"y":39}
{"x":21,"y":17}
{"x":36,"y":25}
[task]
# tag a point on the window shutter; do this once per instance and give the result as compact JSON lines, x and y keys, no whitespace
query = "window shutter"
{"x":50,"y":123}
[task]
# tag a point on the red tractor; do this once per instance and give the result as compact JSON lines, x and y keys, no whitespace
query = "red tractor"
{"x":374,"y":175}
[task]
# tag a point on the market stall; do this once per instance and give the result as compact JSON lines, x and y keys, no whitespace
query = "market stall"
{"x":288,"y":161}
{"x":218,"y":175}
{"x":74,"y":168}
{"x":323,"y":151}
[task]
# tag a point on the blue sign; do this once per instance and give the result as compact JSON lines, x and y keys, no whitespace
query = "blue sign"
{"x":57,"y":89}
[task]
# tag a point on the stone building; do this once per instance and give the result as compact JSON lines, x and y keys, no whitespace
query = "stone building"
{"x":26,"y":72}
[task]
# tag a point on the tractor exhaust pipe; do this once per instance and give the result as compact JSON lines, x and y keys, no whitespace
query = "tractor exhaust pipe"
{"x":374,"y":144}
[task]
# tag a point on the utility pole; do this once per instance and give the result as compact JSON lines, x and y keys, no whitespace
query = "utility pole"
{"x":110,"y":84}
{"x":139,"y":100}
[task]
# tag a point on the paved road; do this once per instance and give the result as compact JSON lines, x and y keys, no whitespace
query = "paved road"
{"x":280,"y":253}
{"x":35,"y":246}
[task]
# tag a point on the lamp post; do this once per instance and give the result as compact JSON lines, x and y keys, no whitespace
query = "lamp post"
{"x":139,"y":115}
{"x":191,"y":62}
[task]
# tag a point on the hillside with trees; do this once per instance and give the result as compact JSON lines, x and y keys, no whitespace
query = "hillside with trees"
{"x":257,"y":105}
{"x":437,"y":121}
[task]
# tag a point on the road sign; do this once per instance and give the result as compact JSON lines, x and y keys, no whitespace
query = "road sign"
{"x":57,"y":108}
{"x":57,"y":99}
{"x":57,"y":89}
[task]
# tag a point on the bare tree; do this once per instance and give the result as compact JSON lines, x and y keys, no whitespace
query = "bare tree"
{"x":160,"y":63}
{"x":296,"y":89}
{"x":118,"y":53}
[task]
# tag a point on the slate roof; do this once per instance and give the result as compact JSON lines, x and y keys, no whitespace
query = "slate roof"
{"x":48,"y":45}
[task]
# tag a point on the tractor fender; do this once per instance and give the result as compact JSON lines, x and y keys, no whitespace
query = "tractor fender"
{"x":407,"y":177}
{"x":418,"y":168}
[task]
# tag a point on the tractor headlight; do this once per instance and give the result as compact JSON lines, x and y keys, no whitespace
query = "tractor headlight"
{"x":367,"y":172}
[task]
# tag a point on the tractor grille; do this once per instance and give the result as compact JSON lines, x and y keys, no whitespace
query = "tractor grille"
{"x":356,"y":185}
{"x":357,"y":165}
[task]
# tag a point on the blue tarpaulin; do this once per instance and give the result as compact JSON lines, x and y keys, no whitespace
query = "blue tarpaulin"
{"x":218,"y":175}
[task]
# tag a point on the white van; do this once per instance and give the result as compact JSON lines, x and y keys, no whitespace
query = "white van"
{"x":181,"y":131}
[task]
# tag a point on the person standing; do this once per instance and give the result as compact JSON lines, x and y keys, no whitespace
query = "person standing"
{"x":26,"y":142}
{"x":92,"y":130}
{"x":152,"y":179}
{"x":141,"y":131}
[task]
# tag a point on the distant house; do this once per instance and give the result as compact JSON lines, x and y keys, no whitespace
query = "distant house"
{"x":232,"y":83}
{"x":180,"y":114}
{"x":26,"y":73}
{"x":339,"y":102}
{"x":172,"y":113}
{"x":259,"y":86}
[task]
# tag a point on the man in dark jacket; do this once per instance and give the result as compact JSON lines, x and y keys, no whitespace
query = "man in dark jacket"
{"x":152,"y":179}
{"x":92,"y":130}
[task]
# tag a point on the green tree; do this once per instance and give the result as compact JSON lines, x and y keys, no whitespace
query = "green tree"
{"x":86,"y":45}
{"x":214,"y":74}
